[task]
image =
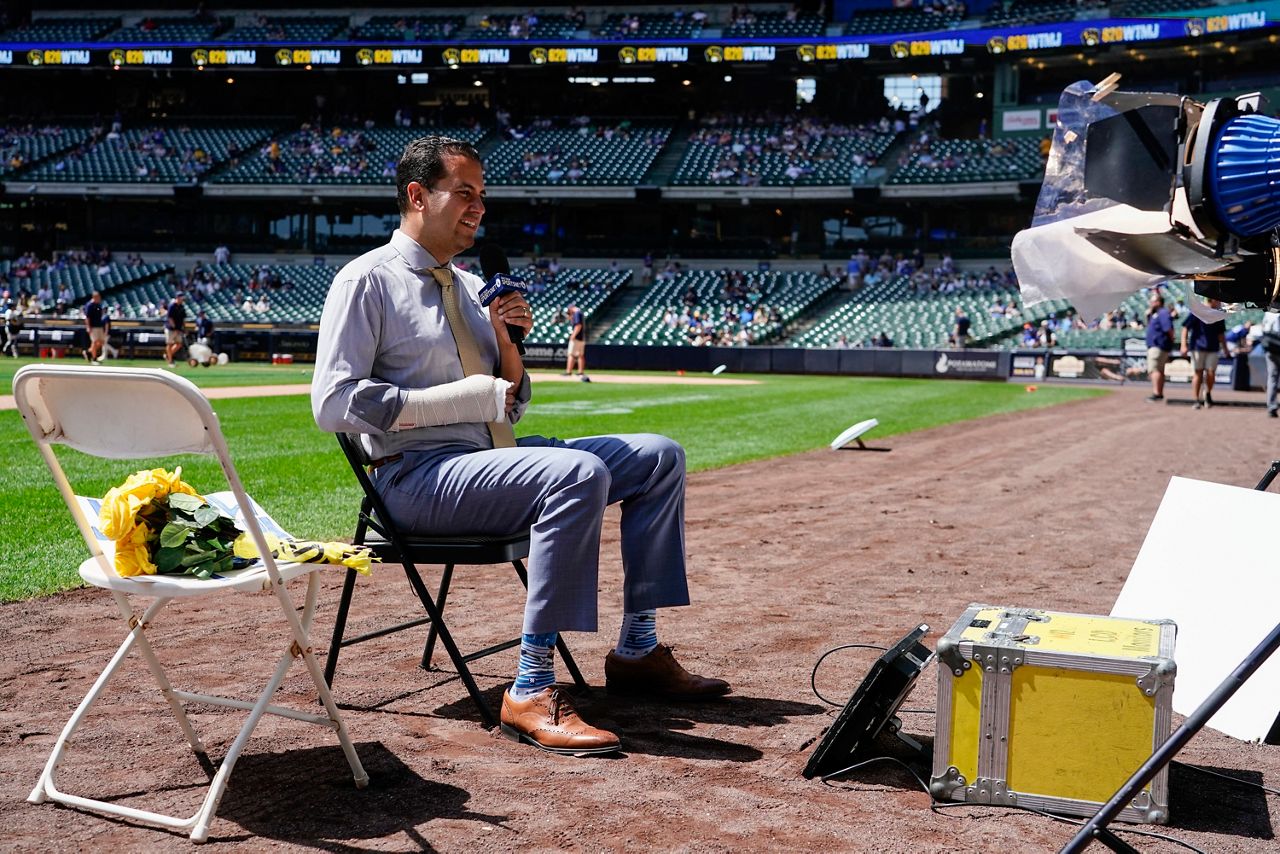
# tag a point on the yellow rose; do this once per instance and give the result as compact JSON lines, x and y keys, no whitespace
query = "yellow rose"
{"x":172,"y":483}
{"x":115,"y":518}
{"x":133,"y":556}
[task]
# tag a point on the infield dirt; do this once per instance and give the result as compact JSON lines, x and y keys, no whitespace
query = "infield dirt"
{"x":788,"y":558}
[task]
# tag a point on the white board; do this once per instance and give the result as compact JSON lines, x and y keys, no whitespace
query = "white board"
{"x":1224,"y":594}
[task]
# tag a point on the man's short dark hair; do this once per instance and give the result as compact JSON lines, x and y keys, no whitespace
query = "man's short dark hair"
{"x":423,"y":161}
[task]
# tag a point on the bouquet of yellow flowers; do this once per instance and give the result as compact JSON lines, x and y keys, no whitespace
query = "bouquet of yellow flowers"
{"x":161,"y":525}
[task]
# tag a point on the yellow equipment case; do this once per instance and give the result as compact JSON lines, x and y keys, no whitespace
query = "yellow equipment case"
{"x":1052,"y":711}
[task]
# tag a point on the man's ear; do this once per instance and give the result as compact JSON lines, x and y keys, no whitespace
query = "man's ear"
{"x":417,"y":196}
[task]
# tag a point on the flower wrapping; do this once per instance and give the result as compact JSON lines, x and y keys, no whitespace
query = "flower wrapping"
{"x":161,"y":525}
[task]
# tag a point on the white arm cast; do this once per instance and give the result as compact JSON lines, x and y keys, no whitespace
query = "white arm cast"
{"x":479,"y":398}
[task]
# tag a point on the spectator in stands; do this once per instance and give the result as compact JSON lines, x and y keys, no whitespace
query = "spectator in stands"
{"x":95,"y":325}
{"x":882,"y":340}
{"x":1203,"y":342}
{"x":438,"y":469}
{"x":222,"y":254}
{"x":1159,"y":344}
{"x":175,"y":325}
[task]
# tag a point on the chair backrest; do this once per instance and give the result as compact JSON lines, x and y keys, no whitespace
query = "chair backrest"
{"x":372,"y":510}
{"x":124,"y":413}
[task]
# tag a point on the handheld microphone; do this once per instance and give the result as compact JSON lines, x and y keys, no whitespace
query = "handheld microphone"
{"x":498,"y":280}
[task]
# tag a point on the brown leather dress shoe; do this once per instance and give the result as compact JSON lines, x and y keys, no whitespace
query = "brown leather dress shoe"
{"x":549,"y":722}
{"x":658,"y":673}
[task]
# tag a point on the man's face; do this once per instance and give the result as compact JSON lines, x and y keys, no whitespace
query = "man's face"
{"x":452,"y":208}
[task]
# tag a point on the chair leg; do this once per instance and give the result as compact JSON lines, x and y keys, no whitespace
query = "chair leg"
{"x":565,"y":655}
{"x":487,"y":716}
{"x":445,"y":578}
{"x":45,"y":787}
{"x":157,"y":671}
{"x":339,"y":627}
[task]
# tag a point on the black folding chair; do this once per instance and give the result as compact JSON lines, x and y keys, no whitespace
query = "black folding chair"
{"x":390,"y":545}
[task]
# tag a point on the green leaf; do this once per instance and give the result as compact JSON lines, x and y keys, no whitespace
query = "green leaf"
{"x":194,"y":558}
{"x":168,"y":560}
{"x":206,"y":515}
{"x":173,"y":535}
{"x":183,"y":501}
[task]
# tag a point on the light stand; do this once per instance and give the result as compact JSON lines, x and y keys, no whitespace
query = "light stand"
{"x":1096,"y":827}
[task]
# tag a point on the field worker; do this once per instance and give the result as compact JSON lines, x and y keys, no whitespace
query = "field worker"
{"x":432,"y":382}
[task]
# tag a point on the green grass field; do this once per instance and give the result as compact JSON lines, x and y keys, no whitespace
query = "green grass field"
{"x":298,"y":474}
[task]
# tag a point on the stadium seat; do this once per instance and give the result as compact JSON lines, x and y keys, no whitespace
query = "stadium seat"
{"x":122,"y":413}
{"x":391,"y":545}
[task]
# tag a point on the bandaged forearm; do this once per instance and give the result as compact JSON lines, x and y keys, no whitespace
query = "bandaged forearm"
{"x":477,"y":399}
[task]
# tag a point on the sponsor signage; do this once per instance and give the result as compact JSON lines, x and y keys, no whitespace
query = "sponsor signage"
{"x":1194,"y":23}
{"x":305,"y":56}
{"x":1100,"y":366}
{"x":389,"y":56}
{"x":219,"y":56}
{"x":1012,"y":121}
{"x":57,"y":57}
{"x":927,"y":47}
{"x":454,"y":56}
{"x":120,"y":56}
{"x":1027,"y":366}
{"x":966,"y":363}
{"x":563,"y":55}
{"x":740,"y":53}
{"x":833,"y":52}
{"x":629,"y":54}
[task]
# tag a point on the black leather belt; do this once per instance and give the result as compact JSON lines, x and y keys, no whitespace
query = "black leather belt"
{"x":382,"y":461}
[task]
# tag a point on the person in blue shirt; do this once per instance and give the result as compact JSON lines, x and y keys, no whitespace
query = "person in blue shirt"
{"x":1203,"y":341}
{"x":1159,"y":344}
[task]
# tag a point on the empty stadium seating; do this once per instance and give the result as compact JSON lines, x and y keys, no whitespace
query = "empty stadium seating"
{"x":333,"y":156}
{"x":776,"y":24}
{"x":309,"y":29}
{"x":824,"y":155}
{"x":1030,"y":12}
{"x":172,"y":30}
{"x":152,"y":155}
{"x":587,"y":288}
{"x":62,"y":30}
{"x":913,"y":320}
{"x":607,"y":156}
{"x":887,"y":21}
{"x":33,"y":144}
{"x":959,"y":161}
{"x":650,"y":26}
{"x":404,"y":28}
{"x":547,"y":27}
{"x":83,"y":279}
{"x":790,"y":293}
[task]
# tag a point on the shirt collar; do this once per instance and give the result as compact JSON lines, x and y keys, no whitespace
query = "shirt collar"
{"x":414,"y":252}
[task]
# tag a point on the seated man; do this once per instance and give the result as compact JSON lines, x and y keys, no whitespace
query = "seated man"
{"x":432,"y":381}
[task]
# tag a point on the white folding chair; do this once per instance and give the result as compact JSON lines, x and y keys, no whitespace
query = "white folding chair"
{"x":131,"y":413}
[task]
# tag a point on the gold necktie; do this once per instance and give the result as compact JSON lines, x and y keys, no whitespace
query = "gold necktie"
{"x":468,"y":350}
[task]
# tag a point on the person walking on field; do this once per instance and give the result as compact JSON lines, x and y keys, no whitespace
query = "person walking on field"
{"x":1159,"y":344}
{"x":175,"y":328}
{"x":1203,"y":341}
{"x":95,"y":323}
{"x":577,"y":344}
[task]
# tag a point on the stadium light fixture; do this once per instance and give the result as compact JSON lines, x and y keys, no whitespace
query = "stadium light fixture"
{"x":1147,"y":187}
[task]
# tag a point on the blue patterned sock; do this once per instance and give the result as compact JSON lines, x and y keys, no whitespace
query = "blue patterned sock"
{"x":639,"y":634}
{"x":536,"y":670}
